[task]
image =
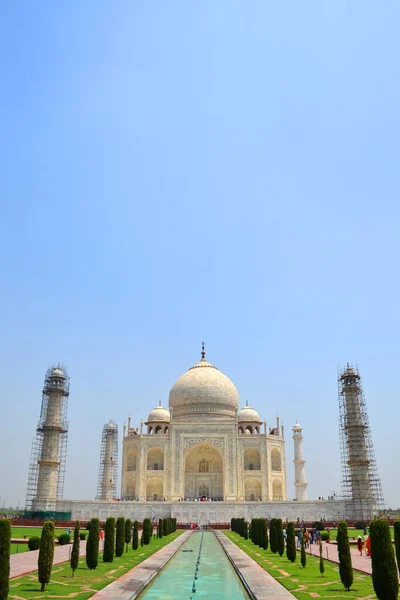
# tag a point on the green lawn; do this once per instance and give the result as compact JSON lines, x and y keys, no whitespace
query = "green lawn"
{"x":86,"y":582}
{"x":19,"y":532}
{"x":20,"y":547}
{"x":304,"y":582}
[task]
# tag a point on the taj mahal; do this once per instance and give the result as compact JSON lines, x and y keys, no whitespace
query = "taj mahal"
{"x":205,"y":459}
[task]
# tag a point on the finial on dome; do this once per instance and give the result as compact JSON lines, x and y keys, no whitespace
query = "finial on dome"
{"x":159,"y":403}
{"x":203,"y":352}
{"x":247,"y":402}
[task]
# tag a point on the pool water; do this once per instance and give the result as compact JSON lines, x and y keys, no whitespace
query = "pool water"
{"x":215,"y":575}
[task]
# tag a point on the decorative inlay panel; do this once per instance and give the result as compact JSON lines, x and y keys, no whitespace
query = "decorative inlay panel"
{"x":213,"y":441}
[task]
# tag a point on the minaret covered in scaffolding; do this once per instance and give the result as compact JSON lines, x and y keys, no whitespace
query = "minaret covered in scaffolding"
{"x":361,"y":485}
{"x":49,"y":447}
{"x":108,"y":472}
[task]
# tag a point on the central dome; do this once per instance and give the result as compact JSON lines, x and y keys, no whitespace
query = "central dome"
{"x":203,"y":393}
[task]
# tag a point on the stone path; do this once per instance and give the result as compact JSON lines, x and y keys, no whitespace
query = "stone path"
{"x":261,"y":583}
{"x":131,"y":584}
{"x":26,"y":562}
{"x":330,"y":551}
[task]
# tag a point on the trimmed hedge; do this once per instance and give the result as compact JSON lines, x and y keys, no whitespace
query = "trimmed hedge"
{"x":384,"y":572}
{"x":46,"y":554}
{"x":291,"y":542}
{"x":146,"y":533}
{"x":280,"y":540}
{"x":273,"y":535}
{"x":343,"y":546}
{"x":82,"y":536}
{"x":74,"y":562}
{"x":120,"y":537}
{"x":396,"y":530}
{"x":325,"y":536}
{"x":128,"y":533}
{"x":303,"y":557}
{"x":64,"y":539}
{"x":135,"y":537}
{"x":5,"y":541}
{"x":34,"y":542}
{"x":109,"y":540}
{"x":92,"y":545}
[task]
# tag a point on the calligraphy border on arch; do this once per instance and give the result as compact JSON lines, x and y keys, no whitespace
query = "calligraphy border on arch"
{"x":213,"y":441}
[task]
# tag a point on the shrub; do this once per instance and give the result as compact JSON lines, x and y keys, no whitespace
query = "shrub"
{"x":109,"y":540}
{"x":5,"y":541}
{"x":291,"y":542}
{"x":343,"y":546}
{"x":120,"y":537}
{"x":246,"y":531}
{"x":92,"y":545}
{"x":63,"y":539}
{"x":164,"y":527}
{"x":384,"y":571}
{"x":397,"y":541}
{"x":360,"y":525}
{"x":318,"y":525}
{"x":273,"y":539}
{"x":280,"y":541}
{"x":46,"y":554}
{"x":146,"y":533}
{"x":160,"y":528}
{"x":325,"y":536}
{"x":34,"y":543}
{"x":82,"y":536}
{"x":303,"y":556}
{"x":135,"y":537}
{"x":128,"y":533}
{"x":75,"y":550}
{"x":321,"y":560}
{"x":264,"y":534}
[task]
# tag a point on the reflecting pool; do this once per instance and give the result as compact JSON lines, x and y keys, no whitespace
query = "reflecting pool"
{"x":215,"y":575}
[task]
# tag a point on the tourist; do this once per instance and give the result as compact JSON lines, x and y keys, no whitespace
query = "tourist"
{"x":368,"y":545}
{"x":360,"y":545}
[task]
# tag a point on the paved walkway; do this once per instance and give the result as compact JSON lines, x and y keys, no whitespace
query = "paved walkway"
{"x":261,"y":583}
{"x":131,"y":584}
{"x":26,"y":562}
{"x":330,"y":551}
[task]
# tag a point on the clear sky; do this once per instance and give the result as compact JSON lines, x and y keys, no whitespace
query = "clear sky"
{"x":174,"y":171}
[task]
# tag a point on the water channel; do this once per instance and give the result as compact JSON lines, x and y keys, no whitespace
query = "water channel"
{"x":216,"y":577}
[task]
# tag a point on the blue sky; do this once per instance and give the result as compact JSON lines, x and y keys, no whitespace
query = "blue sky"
{"x":179,"y":171}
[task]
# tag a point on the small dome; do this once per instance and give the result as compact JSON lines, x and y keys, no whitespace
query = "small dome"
{"x":160,"y":414}
{"x":248,"y":414}
{"x":296,"y":426}
{"x":57,"y":372}
{"x":111,"y":425}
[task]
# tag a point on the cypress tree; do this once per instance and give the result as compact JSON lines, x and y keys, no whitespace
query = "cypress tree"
{"x":128,"y":533}
{"x":321,"y":560}
{"x":397,"y":542}
{"x":280,"y":541}
{"x":46,"y":554}
{"x":264,"y":534}
{"x":120,"y":537}
{"x":343,"y":546}
{"x":135,"y":537}
{"x":164,"y":529}
{"x":74,"y":562}
{"x":260,"y":533}
{"x":92,"y":545}
{"x":109,"y":540}
{"x":384,"y":572}
{"x":245,"y":530}
{"x":273,"y":537}
{"x":146,"y":533}
{"x":291,"y":542}
{"x":5,"y":541}
{"x":303,"y":556}
{"x":160,"y":528}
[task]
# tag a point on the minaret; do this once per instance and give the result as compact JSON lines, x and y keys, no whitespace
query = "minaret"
{"x":108,"y":472}
{"x":299,"y":464}
{"x":46,"y":473}
{"x":360,"y":481}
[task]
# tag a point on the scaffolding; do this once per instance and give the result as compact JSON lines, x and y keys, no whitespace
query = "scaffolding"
{"x":108,"y":470}
{"x":49,"y":446}
{"x":361,"y":485}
